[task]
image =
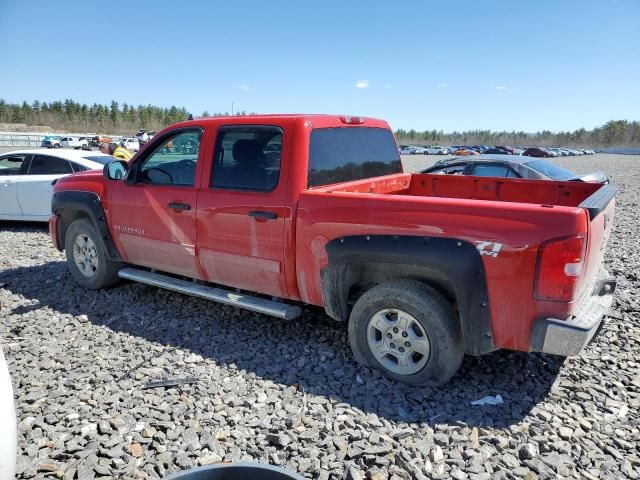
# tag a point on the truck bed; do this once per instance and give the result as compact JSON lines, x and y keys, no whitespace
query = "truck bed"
{"x":519,"y":215}
{"x":543,"y":192}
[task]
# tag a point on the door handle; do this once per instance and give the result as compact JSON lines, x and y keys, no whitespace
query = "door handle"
{"x":263,"y":215}
{"x":179,"y":206}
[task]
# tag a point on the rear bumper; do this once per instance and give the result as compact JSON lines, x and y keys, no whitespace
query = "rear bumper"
{"x":570,"y":336}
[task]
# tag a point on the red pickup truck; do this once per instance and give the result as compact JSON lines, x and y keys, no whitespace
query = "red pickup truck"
{"x":267,"y":212}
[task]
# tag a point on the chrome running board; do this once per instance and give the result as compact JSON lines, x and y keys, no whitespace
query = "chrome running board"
{"x":255,"y":304}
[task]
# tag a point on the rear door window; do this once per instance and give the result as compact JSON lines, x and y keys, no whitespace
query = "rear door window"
{"x":46,"y":165}
{"x":247,"y":158}
{"x":351,"y":153}
{"x":490,"y":170}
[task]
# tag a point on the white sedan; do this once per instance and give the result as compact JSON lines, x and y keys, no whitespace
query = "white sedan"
{"x":26,"y":177}
{"x":436,"y":150}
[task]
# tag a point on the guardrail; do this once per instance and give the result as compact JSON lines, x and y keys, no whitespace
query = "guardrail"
{"x":34,"y":139}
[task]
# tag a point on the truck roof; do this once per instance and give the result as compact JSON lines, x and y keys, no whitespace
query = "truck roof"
{"x":318,"y":120}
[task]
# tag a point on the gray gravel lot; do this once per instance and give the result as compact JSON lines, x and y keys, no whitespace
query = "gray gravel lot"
{"x":289,"y":393}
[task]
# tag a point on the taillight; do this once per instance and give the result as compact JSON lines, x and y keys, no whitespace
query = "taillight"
{"x":352,"y":120}
{"x":559,"y":269}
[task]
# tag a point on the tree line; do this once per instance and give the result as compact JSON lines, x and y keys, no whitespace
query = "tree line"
{"x":81,"y":117}
{"x":125,"y":118}
{"x":615,"y":133}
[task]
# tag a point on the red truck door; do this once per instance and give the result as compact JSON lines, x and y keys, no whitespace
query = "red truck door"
{"x":241,"y":210}
{"x":153,"y":215}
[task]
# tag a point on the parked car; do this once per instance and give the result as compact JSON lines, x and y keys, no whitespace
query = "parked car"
{"x":480,"y":148}
{"x":419,"y":149}
{"x":418,"y":265}
{"x":74,"y":142}
{"x":511,"y":166}
{"x":465,"y":152}
{"x":538,"y":152}
{"x":50,"y":141}
{"x":8,"y":432}
{"x":560,"y":152}
{"x":436,"y":150}
{"x":26,"y":177}
{"x":506,"y":148}
{"x":130,"y":144}
{"x":497,"y":151}
{"x":407,"y":150}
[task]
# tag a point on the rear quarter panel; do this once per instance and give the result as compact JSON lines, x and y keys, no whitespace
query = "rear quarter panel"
{"x":518,"y":228}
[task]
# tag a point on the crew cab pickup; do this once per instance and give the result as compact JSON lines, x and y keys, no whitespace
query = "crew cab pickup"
{"x":270,"y":212}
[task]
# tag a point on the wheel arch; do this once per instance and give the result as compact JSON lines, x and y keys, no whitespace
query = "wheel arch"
{"x":451,"y":266}
{"x":71,"y":205}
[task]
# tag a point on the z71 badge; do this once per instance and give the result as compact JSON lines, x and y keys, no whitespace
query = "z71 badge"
{"x":488,"y":248}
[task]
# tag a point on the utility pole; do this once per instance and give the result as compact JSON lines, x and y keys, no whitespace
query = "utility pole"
{"x":232,"y":109}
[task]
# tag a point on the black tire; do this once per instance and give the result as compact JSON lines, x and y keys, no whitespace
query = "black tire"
{"x":434,"y":314}
{"x":106,"y":271}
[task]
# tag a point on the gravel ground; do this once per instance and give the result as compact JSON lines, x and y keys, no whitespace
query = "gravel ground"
{"x":289,"y":393}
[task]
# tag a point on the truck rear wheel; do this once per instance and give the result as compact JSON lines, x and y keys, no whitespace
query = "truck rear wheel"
{"x":409,"y":331}
{"x":86,"y":258}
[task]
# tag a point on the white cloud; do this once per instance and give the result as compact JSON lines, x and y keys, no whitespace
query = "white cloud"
{"x":245,"y":88}
{"x":501,"y":87}
{"x":443,"y":85}
{"x":362,"y":84}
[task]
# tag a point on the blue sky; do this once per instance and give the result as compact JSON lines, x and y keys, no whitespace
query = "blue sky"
{"x":454,"y":65}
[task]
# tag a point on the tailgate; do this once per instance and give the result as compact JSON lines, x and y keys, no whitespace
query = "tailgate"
{"x":600,"y":207}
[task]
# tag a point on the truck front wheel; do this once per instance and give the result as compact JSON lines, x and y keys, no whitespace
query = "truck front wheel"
{"x":409,"y":331}
{"x":86,"y":258}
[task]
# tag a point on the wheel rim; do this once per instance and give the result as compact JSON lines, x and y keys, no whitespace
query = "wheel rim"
{"x":398,"y":341}
{"x":85,"y":255}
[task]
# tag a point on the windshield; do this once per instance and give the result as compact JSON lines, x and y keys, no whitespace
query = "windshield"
{"x":101,"y":159}
{"x":551,"y":170}
{"x":351,"y":153}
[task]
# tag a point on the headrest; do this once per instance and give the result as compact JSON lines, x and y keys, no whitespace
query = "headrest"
{"x":247,"y":152}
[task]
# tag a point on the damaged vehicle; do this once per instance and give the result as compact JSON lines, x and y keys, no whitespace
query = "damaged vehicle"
{"x":271,"y":212}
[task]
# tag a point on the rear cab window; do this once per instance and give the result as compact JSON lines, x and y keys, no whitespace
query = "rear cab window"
{"x":343,"y":154}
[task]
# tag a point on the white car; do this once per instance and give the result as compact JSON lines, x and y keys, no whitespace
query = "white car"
{"x":436,"y":150}
{"x":130,"y":144}
{"x":407,"y":150}
{"x":419,"y":150}
{"x":26,"y":177}
{"x":74,"y":142}
{"x":8,"y":432}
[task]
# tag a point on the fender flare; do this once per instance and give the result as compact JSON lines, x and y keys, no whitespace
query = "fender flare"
{"x":452,"y":266}
{"x":88,"y":203}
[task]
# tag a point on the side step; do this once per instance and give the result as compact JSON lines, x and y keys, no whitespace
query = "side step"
{"x":255,"y":304}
